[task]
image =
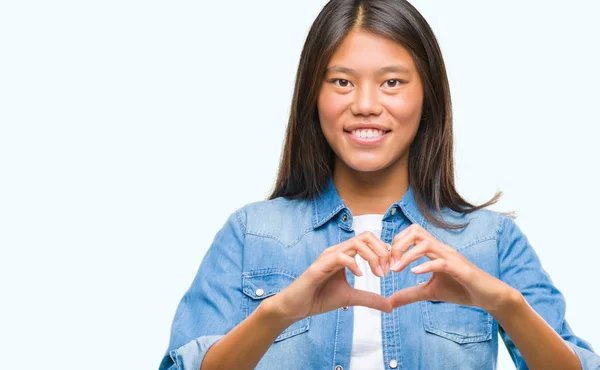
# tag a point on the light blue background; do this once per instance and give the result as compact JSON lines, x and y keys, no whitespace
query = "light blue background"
{"x":130,"y":130}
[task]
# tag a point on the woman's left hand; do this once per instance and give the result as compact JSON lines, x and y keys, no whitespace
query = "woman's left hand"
{"x":455,"y":279}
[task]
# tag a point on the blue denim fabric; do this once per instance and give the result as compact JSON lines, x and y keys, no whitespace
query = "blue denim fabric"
{"x":267,"y":244}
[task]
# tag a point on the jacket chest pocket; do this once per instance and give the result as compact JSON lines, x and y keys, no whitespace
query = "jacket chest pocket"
{"x":461,"y":324}
{"x":260,"y":284}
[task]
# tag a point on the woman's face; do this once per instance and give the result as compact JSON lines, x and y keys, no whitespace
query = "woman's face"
{"x":370,"y":81}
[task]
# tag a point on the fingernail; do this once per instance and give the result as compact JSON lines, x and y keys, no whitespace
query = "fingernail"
{"x":395,"y":266}
{"x":393,"y":261}
{"x":380,"y":271}
{"x":387,"y":268}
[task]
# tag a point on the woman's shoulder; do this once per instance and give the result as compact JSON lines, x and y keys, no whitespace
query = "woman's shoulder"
{"x":279,"y":217}
{"x":479,"y":226}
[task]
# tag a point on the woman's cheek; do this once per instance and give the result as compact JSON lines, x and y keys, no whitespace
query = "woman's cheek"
{"x":405,"y":110}
{"x":331,"y":107}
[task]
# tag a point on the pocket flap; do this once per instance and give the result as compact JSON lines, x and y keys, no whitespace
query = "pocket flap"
{"x":260,"y":284}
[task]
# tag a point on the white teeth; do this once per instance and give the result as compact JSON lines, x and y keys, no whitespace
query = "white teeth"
{"x":367,"y":133}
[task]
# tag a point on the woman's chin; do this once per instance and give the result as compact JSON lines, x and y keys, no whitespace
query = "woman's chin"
{"x":367,"y":166}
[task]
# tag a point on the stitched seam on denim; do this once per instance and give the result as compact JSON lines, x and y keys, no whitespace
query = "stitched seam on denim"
{"x":428,"y":321}
{"x":457,"y":338}
{"x":265,"y":235}
{"x":477,"y":241}
{"x":266,"y":272}
{"x":316,"y":215}
{"x":286,"y":334}
{"x":297,"y":240}
{"x":246,"y":304}
{"x":498,"y":227}
{"x":242,"y":223}
{"x":269,"y":236}
{"x":337,"y":324}
{"x":460,"y":335}
{"x":394,"y":312}
{"x":384,"y":323}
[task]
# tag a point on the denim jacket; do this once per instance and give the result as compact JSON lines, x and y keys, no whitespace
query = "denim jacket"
{"x":265,"y":245}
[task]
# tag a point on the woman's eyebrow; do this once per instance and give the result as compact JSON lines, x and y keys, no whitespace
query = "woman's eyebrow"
{"x":391,"y":68}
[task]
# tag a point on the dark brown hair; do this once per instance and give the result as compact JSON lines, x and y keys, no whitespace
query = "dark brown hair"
{"x":307,"y":159}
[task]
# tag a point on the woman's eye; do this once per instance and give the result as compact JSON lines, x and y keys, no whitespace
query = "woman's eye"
{"x":394,"y":85}
{"x":342,"y":83}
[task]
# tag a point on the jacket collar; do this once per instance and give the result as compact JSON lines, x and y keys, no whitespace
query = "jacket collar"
{"x":328,"y":204}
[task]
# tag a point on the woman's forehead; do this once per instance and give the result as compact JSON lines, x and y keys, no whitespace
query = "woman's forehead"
{"x":365,"y":52}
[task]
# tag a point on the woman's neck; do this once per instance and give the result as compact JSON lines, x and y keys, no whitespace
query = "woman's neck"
{"x":370,"y":192}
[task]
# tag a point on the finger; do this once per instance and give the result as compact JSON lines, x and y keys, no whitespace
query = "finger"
{"x":451,"y":266}
{"x":404,"y":240}
{"x":342,"y":259}
{"x":438,"y":265}
{"x":402,"y":246}
{"x":334,"y":262}
{"x":369,"y":299}
{"x":409,"y":295}
{"x":379,"y":247}
{"x":362,"y":249}
{"x":422,"y":248}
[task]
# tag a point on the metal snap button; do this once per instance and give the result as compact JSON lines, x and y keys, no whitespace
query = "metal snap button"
{"x":260,"y":292}
{"x":394,"y":211}
{"x":339,"y":368}
{"x":345,"y":217}
{"x":345,"y":308}
{"x":393,"y":364}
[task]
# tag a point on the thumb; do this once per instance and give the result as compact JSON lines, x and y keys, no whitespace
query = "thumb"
{"x":409,"y":295}
{"x":369,"y":299}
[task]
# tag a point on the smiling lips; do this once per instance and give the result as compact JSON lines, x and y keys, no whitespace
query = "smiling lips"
{"x":367,"y":136}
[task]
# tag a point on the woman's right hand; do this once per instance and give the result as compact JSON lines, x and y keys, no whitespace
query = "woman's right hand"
{"x":323,"y":286}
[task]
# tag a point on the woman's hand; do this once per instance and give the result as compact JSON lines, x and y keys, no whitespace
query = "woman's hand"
{"x":455,"y":279}
{"x":323,"y":286}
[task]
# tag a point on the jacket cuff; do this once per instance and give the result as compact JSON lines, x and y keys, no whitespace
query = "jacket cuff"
{"x":589,"y":360}
{"x":190,"y":355}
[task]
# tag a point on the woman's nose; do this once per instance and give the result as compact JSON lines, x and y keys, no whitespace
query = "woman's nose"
{"x":366,"y":101}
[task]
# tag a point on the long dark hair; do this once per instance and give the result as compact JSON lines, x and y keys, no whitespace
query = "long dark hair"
{"x":307,"y":159}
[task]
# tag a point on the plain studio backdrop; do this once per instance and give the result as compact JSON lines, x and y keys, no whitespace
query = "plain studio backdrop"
{"x":130,"y":130}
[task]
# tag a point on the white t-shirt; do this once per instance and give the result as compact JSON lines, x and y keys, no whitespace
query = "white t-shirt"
{"x":367,"y":352}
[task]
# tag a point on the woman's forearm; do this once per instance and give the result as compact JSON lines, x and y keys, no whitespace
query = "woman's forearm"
{"x":540,"y":345}
{"x":244,"y":346}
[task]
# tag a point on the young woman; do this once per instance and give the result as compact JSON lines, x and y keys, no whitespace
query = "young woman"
{"x":365,"y":256}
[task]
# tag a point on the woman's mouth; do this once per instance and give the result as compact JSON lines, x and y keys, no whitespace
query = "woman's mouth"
{"x":367,"y":136}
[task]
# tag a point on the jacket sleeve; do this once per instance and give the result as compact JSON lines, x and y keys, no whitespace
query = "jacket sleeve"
{"x":520,"y":267}
{"x":212,"y":305}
